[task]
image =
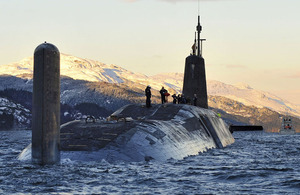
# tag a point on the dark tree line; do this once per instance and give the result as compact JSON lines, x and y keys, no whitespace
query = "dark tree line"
{"x":6,"y":121}
{"x":92,"y":109}
{"x":18,"y":96}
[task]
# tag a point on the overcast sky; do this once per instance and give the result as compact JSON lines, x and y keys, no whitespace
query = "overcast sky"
{"x":252,"y":41}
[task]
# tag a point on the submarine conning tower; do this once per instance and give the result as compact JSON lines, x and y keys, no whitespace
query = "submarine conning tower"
{"x":46,"y":105}
{"x":194,"y":81}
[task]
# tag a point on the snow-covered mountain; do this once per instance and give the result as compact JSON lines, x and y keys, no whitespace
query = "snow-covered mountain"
{"x":240,"y":92}
{"x":76,"y":68}
{"x":251,"y":97}
{"x":94,"y":71}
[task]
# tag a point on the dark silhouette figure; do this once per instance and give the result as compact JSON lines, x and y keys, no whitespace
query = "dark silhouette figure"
{"x":166,"y":96}
{"x":163,"y":96}
{"x":148,"y":96}
{"x":195,"y":100}
{"x":179,"y":99}
{"x":174,"y":98}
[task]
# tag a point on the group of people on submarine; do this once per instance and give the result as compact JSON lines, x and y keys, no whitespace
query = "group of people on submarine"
{"x":177,"y":99}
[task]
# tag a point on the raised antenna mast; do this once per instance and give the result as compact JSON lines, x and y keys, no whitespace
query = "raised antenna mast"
{"x":199,"y":29}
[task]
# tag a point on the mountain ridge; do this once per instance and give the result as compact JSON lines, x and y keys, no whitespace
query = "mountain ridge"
{"x":95,"y":71}
{"x":112,"y":96}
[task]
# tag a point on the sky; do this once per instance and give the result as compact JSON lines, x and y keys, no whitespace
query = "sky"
{"x":250,"y":41}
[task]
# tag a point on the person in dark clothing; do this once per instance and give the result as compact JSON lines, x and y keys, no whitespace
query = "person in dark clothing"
{"x":183,"y":100}
{"x":174,"y":98}
{"x":166,"y":96}
{"x":179,"y":100}
{"x":148,"y":96}
{"x":162,"y":93}
{"x":195,"y":100}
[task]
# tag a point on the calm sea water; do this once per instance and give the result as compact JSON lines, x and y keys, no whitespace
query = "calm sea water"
{"x":257,"y":163}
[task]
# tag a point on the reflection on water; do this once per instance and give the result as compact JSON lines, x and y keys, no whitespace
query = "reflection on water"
{"x":256,"y":163}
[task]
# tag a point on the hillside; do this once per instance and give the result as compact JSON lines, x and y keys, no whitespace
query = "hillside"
{"x":94,"y":71}
{"x":237,"y":113}
{"x":16,"y":115}
{"x":110,"y":87}
{"x":110,"y":96}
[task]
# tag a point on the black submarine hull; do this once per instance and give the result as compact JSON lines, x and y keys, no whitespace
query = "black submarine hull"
{"x":137,"y":133}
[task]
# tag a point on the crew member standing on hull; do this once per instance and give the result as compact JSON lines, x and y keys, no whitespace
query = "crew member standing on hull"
{"x":174,"y":98}
{"x":148,"y":96}
{"x":179,"y":100}
{"x":162,"y":93}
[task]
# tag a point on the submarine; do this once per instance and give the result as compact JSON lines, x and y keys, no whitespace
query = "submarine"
{"x":132,"y":133}
{"x":137,"y":133}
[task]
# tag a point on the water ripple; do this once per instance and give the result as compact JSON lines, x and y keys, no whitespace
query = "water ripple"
{"x":257,"y":163}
